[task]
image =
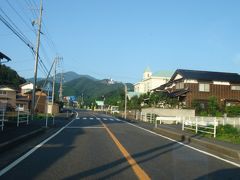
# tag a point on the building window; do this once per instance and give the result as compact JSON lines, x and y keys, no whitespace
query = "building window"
{"x":235,"y":88}
{"x":3,"y":92}
{"x":203,"y":87}
{"x":180,"y":85}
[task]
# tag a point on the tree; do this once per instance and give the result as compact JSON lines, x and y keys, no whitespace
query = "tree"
{"x":212,"y":106}
{"x":10,"y":77}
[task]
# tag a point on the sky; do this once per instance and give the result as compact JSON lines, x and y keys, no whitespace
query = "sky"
{"x":119,"y":39}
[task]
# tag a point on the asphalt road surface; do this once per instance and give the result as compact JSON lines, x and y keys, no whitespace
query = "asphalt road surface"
{"x":95,"y":146}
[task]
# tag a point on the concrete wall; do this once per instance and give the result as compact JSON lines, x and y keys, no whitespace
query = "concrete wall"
{"x":170,"y":112}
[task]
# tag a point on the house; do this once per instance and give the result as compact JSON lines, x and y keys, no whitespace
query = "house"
{"x":151,"y":81}
{"x":41,"y":100}
{"x":7,"y":97}
{"x":22,"y":103}
{"x":26,"y":87}
{"x":192,"y":85}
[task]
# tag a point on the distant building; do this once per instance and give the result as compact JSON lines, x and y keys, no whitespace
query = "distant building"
{"x":7,"y":97}
{"x":151,"y":81}
{"x":26,"y":87}
{"x":191,"y":85}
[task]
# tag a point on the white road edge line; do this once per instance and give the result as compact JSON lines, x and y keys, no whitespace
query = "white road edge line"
{"x":201,"y":151}
{"x":20,"y":159}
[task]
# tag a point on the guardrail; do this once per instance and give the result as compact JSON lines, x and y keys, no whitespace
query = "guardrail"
{"x":200,"y":125}
{"x":22,"y":117}
{"x":2,"y":119}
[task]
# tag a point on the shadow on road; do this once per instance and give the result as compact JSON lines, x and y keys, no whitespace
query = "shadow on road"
{"x":154,"y":152}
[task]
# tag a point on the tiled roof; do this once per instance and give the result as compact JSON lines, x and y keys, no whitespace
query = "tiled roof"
{"x":208,"y":75}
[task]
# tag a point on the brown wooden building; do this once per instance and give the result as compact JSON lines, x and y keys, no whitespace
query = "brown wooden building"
{"x":191,"y":85}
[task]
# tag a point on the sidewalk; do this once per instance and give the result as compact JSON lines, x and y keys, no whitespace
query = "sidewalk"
{"x":12,"y":135}
{"x":217,"y":147}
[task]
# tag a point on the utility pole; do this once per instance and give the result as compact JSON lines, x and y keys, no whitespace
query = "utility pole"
{"x":39,"y":23}
{"x":61,"y":88}
{"x":54,"y":78}
{"x":125,"y":106}
{"x":57,"y":59}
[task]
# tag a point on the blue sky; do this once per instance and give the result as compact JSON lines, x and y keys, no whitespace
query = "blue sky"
{"x":119,"y":39}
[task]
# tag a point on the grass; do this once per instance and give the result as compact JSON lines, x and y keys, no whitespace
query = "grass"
{"x":228,"y":133}
{"x":225,"y":133}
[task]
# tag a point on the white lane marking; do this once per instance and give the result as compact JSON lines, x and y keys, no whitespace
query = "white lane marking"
{"x":117,"y":119}
{"x":105,"y":119}
{"x":84,"y":118}
{"x":98,"y":118}
{"x":111,"y":119}
{"x":91,"y":118}
{"x":201,"y":151}
{"x":20,"y":159}
{"x":86,"y":127}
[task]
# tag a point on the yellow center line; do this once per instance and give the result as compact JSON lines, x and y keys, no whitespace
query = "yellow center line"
{"x":141,"y":174}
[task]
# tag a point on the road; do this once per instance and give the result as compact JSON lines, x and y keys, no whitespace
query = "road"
{"x":97,"y":146}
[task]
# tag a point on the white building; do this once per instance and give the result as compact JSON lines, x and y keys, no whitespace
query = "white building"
{"x":26,"y":87}
{"x":151,"y":81}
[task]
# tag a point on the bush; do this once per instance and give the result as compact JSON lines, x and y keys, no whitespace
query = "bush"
{"x":233,"y":111}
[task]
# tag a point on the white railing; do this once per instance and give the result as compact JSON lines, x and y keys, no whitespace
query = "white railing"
{"x":168,"y":119}
{"x":22,"y":117}
{"x":200,"y":124}
{"x":2,"y":118}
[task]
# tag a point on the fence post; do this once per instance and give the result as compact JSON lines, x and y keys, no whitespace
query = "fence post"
{"x":215,"y":127}
{"x":18,"y":118}
{"x":183,"y":123}
{"x":156,"y":123}
{"x":3,"y":113}
{"x":239,"y":122}
{"x":27,"y":117}
{"x":196,"y":121}
{"x":234,"y":123}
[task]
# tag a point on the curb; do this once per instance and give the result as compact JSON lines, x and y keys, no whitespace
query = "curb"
{"x":23,"y":138}
{"x":217,"y":149}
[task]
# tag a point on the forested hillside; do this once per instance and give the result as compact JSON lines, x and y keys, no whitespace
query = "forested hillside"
{"x":10,"y":77}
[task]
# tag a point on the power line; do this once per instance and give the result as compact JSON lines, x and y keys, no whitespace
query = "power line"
{"x":19,"y":35}
{"x":20,"y":16}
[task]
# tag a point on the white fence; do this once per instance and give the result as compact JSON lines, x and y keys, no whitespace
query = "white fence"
{"x":234,"y":121}
{"x":200,"y":124}
{"x":22,"y":117}
{"x":2,"y":119}
{"x":195,"y":123}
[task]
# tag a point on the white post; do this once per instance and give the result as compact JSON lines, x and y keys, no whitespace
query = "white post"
{"x":196,"y":121}
{"x":234,"y":123}
{"x":156,"y":123}
{"x":18,"y":119}
{"x":215,"y":127}
{"x":183,"y":123}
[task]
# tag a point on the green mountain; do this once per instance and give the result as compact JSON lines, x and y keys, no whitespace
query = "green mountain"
{"x":67,"y":76}
{"x":10,"y":77}
{"x":92,"y":90}
{"x":70,"y":75}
